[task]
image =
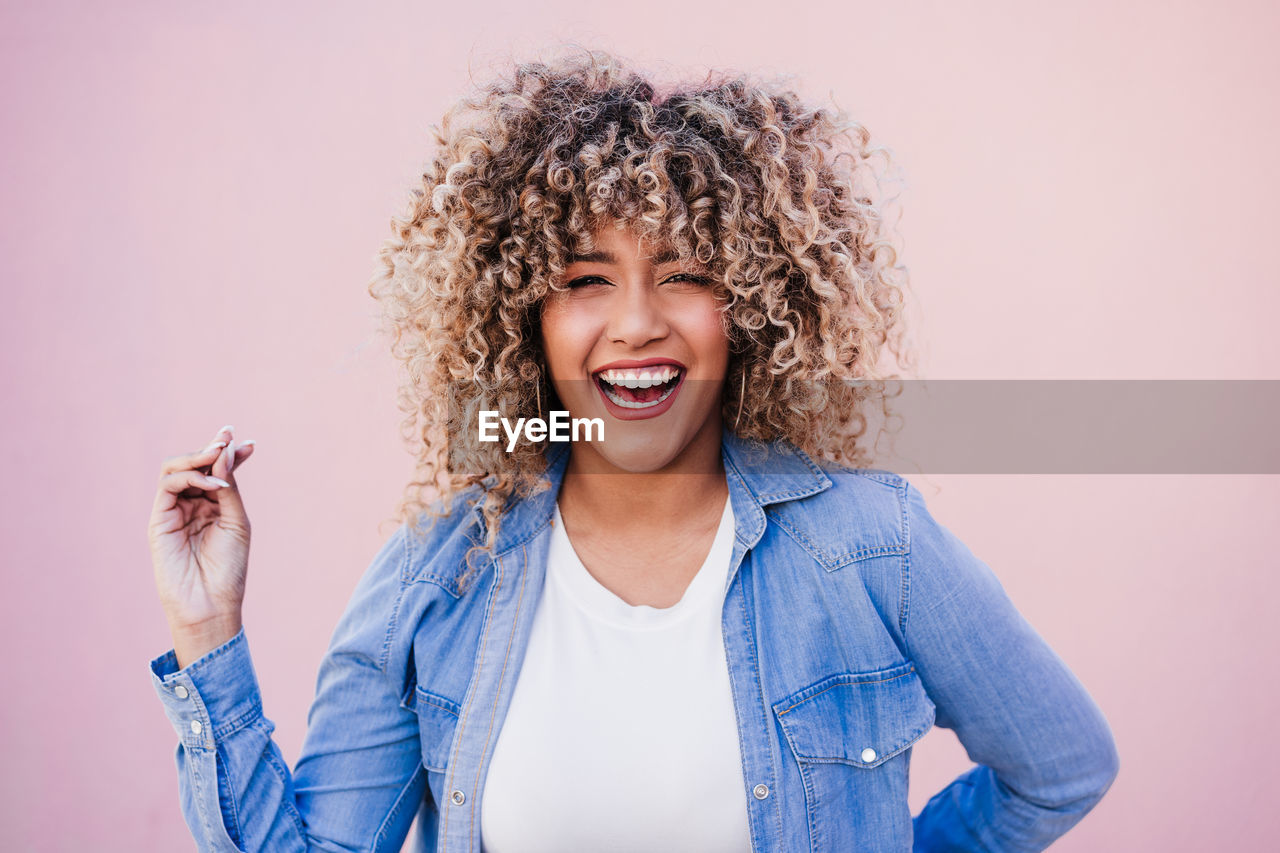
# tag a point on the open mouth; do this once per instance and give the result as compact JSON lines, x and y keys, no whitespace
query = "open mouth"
{"x":639,"y":387}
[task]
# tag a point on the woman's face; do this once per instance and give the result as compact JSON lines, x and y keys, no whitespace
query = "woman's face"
{"x":637,"y":340}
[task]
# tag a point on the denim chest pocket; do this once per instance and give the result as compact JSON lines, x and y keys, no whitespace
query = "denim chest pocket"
{"x":437,"y":721}
{"x":859,"y":719}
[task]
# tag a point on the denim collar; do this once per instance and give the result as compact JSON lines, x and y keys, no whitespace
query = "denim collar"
{"x":758,"y":474}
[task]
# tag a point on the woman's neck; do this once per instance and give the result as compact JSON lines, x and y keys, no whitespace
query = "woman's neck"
{"x":599,"y":496}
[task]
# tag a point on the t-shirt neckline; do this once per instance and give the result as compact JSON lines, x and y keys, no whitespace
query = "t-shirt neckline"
{"x":566,"y":568}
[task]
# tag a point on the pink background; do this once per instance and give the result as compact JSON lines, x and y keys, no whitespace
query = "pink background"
{"x":193,"y":194}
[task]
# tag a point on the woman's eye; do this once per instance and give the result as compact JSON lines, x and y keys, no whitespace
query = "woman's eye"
{"x":682,"y":278}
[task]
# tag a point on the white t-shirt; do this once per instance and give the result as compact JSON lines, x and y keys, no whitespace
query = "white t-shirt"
{"x":621,"y":735}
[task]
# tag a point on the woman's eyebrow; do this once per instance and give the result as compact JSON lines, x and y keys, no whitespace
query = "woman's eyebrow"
{"x":598,"y":257}
{"x":602,"y":256}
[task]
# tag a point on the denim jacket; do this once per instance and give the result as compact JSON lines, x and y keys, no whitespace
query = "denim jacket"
{"x":852,"y":622}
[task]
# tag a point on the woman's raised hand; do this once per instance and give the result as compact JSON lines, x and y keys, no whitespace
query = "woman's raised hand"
{"x":199,"y":536}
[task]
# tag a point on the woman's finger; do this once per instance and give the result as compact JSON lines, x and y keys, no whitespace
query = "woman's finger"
{"x":192,"y":460}
{"x":241,"y":451}
{"x":202,"y":458}
{"x":177,"y":482}
{"x":199,"y":458}
{"x":229,"y":502}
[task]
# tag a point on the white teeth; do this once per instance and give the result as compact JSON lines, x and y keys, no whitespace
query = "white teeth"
{"x":627,"y":404}
{"x":644,"y":377}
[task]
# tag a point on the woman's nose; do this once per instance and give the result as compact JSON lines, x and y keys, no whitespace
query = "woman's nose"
{"x":637,"y":316}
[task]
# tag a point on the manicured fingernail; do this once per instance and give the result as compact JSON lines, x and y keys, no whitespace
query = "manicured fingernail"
{"x":218,"y":482}
{"x":228,"y":428}
{"x":212,"y":446}
{"x":247,"y":441}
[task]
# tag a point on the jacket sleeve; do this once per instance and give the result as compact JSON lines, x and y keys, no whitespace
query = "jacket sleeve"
{"x":358,"y":779}
{"x":1044,"y":752}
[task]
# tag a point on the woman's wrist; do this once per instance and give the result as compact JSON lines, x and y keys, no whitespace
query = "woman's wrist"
{"x":192,"y":642}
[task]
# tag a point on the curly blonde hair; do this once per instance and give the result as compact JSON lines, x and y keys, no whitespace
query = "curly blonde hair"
{"x":776,"y":199}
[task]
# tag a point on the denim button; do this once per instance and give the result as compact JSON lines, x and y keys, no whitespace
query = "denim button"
{"x":180,"y":692}
{"x":760,"y":791}
{"x":457,"y":797}
{"x":868,"y":755}
{"x":196,"y":728}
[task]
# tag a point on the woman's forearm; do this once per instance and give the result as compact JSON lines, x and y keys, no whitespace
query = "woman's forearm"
{"x":234,"y":790}
{"x":1044,"y":751}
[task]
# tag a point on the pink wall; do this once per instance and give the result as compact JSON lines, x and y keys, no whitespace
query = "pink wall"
{"x":193,"y":196}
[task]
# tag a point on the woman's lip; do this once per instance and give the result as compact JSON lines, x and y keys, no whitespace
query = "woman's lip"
{"x":623,"y":414}
{"x":633,"y":363}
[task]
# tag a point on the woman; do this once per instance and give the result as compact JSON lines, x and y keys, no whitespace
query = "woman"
{"x":706,"y":629}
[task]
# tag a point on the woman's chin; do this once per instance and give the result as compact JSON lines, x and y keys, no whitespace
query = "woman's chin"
{"x":634,"y":457}
{"x":639,"y":454}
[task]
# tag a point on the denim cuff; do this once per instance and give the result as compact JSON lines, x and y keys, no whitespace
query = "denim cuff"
{"x":213,"y":697}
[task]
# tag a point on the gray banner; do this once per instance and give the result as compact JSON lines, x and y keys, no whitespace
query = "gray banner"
{"x":1069,"y":426}
{"x":1039,"y":426}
